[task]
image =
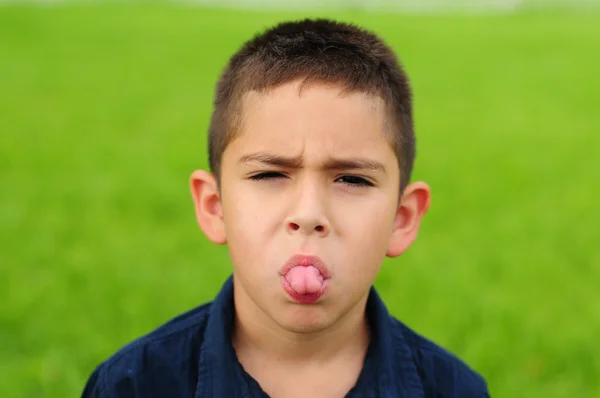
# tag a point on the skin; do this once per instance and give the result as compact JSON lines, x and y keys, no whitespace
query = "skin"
{"x":310,"y":172}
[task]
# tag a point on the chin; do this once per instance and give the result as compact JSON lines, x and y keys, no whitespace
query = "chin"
{"x":305,"y":320}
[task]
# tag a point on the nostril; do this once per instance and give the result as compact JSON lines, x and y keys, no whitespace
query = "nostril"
{"x":319,"y":228}
{"x":294,"y":226}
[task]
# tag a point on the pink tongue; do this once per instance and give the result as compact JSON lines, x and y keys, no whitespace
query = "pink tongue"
{"x":304,"y":280}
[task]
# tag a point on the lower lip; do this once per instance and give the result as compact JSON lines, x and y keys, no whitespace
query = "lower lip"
{"x":304,"y":298}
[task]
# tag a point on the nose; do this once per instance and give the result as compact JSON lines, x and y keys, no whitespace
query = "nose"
{"x":308,"y":215}
{"x":307,"y":227}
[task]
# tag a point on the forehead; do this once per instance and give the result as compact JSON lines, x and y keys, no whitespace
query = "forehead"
{"x":312,"y":121}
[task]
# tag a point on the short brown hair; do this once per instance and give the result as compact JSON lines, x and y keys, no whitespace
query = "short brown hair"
{"x":315,"y":51}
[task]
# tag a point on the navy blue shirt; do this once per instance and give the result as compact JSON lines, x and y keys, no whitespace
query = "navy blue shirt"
{"x":192,"y":356}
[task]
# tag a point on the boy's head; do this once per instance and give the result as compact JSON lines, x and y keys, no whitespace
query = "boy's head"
{"x":311,"y":146}
{"x":315,"y":52}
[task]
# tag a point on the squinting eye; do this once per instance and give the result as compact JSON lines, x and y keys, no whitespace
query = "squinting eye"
{"x":269,"y":175}
{"x":355,"y":181}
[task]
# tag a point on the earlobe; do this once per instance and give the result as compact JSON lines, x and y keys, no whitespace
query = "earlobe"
{"x":411,"y":209}
{"x":207,"y":203}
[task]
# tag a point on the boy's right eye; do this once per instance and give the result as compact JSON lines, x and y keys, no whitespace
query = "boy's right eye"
{"x":269,"y":175}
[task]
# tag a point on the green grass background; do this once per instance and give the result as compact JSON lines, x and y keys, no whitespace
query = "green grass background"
{"x":103,"y":115}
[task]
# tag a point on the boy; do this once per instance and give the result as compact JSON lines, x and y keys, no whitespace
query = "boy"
{"x":311,"y":147}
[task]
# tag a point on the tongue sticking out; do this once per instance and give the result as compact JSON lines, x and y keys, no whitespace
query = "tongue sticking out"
{"x":304,"y":280}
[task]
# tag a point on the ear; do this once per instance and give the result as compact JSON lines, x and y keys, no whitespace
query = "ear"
{"x":207,"y":201}
{"x":411,"y":209}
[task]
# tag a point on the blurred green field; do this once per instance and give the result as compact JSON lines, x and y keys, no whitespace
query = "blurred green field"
{"x":103,"y":114}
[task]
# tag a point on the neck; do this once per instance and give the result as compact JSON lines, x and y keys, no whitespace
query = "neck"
{"x":256,"y":335}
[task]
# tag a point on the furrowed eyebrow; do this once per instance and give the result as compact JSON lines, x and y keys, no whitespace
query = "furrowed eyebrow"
{"x":272,"y":160}
{"x":331,"y":164}
{"x":354,"y":164}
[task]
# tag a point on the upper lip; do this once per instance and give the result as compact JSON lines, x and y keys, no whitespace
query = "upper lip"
{"x":305,"y":260}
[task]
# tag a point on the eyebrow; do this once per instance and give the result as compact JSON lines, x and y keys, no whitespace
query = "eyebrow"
{"x":330,"y":164}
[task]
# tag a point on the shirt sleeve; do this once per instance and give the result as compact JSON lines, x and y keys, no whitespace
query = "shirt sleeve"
{"x":95,"y":386}
{"x":445,"y":376}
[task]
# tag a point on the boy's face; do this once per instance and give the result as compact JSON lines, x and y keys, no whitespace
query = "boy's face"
{"x":310,"y":173}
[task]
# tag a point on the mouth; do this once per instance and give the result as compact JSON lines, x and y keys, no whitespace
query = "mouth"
{"x":304,"y":278}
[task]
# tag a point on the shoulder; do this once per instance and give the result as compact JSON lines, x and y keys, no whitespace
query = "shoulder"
{"x":172,"y":350}
{"x":442,"y":373}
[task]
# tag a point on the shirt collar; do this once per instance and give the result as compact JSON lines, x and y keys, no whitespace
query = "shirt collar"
{"x":397,"y":372}
{"x":218,"y":370}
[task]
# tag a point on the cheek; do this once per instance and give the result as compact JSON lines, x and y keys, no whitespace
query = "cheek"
{"x":370,"y":229}
{"x":249,"y":218}
{"x":244,"y":237}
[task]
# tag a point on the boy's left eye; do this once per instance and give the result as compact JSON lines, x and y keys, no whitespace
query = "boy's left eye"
{"x":355,"y":181}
